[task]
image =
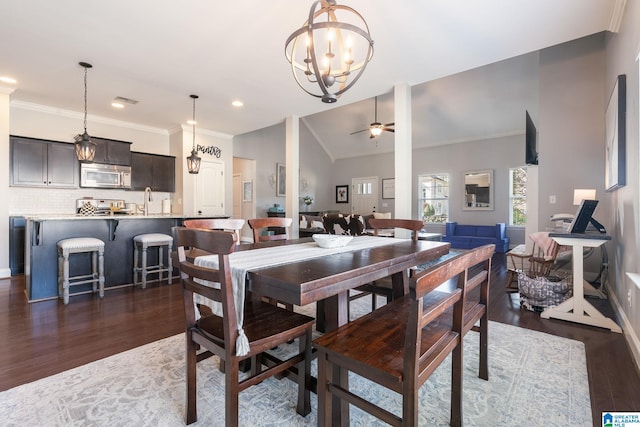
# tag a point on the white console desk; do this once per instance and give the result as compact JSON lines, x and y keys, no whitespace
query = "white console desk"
{"x":577,"y":309}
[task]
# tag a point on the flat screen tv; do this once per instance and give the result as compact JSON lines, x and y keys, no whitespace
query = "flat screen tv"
{"x":531,"y":143}
{"x":584,"y":216}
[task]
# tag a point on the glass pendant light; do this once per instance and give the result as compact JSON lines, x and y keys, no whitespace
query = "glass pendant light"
{"x":85,"y":148}
{"x":193,"y":161}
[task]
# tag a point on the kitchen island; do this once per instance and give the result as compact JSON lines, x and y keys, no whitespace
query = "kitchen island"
{"x":42,"y":232}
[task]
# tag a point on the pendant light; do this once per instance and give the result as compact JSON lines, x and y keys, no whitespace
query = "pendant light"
{"x":193,"y":161}
{"x":85,"y":148}
{"x":330,"y":51}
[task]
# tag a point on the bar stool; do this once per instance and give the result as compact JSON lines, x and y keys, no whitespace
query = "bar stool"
{"x":67,"y":247}
{"x":144,"y":241}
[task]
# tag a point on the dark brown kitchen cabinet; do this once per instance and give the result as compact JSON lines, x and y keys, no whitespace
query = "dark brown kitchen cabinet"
{"x":112,"y":152}
{"x":41,"y":163}
{"x":153,"y":170}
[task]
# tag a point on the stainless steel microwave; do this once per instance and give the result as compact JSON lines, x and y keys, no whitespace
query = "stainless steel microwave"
{"x":96,"y":175}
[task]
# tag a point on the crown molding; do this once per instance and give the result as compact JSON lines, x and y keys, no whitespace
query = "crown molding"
{"x":28,"y":106}
{"x":7,"y":90}
{"x":200,"y":131}
{"x":617,"y":13}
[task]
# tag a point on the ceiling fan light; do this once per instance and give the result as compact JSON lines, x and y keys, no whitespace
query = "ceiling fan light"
{"x":375,"y":131}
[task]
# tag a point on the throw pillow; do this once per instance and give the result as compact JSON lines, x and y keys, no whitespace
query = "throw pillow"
{"x":382,"y":215}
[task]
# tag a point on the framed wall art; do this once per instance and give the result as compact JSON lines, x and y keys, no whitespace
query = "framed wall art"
{"x":342,"y":194}
{"x":615,"y":132}
{"x":247,"y":191}
{"x":388,"y":188}
{"x":281,"y":180}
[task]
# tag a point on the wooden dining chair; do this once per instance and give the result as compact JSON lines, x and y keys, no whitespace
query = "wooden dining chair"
{"x":400,"y":345}
{"x":383,"y":287}
{"x":265,"y":326}
{"x":259,"y":224}
{"x":224,"y":224}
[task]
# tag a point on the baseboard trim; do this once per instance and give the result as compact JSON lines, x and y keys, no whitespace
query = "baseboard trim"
{"x":5,"y":273}
{"x":629,"y":334}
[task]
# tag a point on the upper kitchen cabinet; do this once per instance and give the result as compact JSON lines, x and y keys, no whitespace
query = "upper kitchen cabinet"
{"x":40,"y":163}
{"x":153,"y":170}
{"x":112,"y":152}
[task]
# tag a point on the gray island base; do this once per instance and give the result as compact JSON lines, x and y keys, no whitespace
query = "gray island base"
{"x":43,"y":232}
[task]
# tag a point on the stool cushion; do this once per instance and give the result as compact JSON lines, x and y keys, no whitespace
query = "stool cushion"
{"x":153,"y":239}
{"x":80,"y":243}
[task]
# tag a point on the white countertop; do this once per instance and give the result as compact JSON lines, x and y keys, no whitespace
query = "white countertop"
{"x":54,"y":217}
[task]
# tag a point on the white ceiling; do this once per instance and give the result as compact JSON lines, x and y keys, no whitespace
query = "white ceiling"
{"x":159,"y":52}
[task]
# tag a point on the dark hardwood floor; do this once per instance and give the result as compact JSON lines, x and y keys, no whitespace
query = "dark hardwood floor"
{"x":44,"y":338}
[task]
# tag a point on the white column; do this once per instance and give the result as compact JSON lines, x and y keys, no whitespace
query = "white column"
{"x":292,"y":159}
{"x":5,"y":94}
{"x":403,"y":155}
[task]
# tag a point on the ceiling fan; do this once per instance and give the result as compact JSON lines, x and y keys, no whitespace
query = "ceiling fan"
{"x":376,"y":127}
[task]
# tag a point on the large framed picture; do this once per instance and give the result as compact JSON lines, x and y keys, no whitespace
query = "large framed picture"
{"x":342,"y":194}
{"x":281,"y":180}
{"x":615,"y":132}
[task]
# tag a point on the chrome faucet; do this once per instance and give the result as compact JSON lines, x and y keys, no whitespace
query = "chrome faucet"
{"x":147,"y":199}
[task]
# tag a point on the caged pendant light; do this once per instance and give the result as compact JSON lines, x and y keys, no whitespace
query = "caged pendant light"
{"x":330,"y":51}
{"x":193,"y":161}
{"x":85,"y":147}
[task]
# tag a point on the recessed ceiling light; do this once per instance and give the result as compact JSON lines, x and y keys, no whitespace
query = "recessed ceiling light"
{"x":117,"y":105}
{"x":192,"y":122}
{"x":9,"y":80}
{"x":237,"y":103}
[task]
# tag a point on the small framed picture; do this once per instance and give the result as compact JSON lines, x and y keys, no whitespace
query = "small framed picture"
{"x":247,"y":191}
{"x":342,"y":194}
{"x":281,"y":180}
{"x":388,"y":188}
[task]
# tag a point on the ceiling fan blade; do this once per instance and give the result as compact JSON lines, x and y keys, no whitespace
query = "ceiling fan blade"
{"x":358,"y":131}
{"x":389,"y":124}
{"x":389,"y":129}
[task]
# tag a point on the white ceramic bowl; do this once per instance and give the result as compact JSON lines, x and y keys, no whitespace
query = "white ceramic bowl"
{"x":331,"y":240}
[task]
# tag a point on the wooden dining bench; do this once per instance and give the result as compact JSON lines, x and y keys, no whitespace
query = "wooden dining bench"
{"x":401,"y":344}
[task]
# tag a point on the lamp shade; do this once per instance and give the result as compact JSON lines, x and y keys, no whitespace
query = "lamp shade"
{"x":580,"y":194}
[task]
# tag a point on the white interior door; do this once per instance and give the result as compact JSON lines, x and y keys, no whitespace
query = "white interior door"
{"x":210,"y":188}
{"x":364,"y":195}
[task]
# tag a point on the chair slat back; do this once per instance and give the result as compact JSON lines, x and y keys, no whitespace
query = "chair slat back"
{"x":413,"y":225}
{"x":257,"y":224}
{"x":220,"y":243}
{"x":223,"y":224}
{"x":422,"y":312}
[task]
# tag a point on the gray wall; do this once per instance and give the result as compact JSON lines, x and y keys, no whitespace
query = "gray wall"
{"x":623,"y":205}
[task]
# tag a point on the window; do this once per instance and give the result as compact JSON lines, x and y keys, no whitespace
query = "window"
{"x":433,"y":198}
{"x":518,"y":196}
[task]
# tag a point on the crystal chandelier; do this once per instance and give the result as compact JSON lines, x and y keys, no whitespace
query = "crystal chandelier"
{"x":330,"y":51}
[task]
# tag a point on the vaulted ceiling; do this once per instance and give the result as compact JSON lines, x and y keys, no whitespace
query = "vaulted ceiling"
{"x":160,"y":52}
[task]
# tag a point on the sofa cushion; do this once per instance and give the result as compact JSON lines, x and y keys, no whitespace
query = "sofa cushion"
{"x":465,"y":230}
{"x":314,"y":221}
{"x":382,"y":215}
{"x":488,"y":231}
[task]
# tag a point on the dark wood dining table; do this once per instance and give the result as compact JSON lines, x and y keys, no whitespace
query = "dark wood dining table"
{"x":326,"y":280}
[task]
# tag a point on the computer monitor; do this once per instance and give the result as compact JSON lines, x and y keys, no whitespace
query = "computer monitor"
{"x":584,"y":216}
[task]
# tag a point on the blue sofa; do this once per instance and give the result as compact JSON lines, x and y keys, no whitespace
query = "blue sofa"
{"x":472,"y":236}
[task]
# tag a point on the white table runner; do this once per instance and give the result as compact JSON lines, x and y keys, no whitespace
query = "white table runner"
{"x":243,"y":261}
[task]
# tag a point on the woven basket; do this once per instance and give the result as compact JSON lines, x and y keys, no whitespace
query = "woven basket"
{"x":539,"y":293}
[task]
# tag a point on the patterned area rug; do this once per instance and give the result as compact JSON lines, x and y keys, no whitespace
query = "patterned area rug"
{"x":535,"y":379}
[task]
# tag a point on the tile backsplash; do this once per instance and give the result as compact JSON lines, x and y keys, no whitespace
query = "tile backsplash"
{"x":39,"y":201}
